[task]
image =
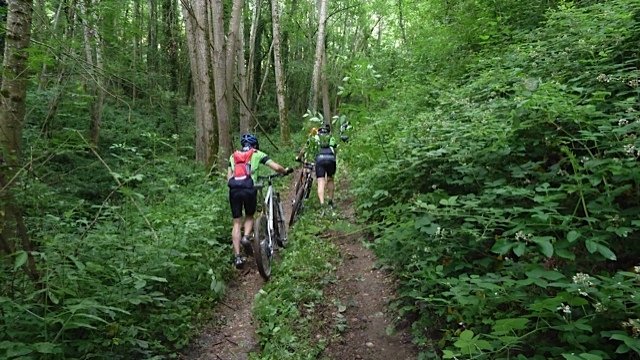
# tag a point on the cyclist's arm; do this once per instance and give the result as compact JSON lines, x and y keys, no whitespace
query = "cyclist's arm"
{"x":230,"y":168}
{"x":301,"y":153}
{"x":276,"y":167}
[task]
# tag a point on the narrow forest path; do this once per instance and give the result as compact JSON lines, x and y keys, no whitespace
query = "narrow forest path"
{"x":356,"y":321}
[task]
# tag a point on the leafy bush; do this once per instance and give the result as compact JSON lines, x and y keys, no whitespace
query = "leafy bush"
{"x":506,"y":204}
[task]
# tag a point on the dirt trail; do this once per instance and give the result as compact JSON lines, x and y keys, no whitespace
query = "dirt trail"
{"x":355,"y":311}
{"x":358,"y":300}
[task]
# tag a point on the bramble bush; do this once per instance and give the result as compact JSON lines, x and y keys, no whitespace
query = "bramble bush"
{"x":506,"y":202}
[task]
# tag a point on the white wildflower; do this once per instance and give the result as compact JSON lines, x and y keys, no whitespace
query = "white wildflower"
{"x":599,"y":307}
{"x":582,"y":279}
{"x":565,"y":308}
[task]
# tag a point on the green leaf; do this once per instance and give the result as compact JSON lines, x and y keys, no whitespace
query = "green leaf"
{"x":545,"y":245}
{"x":583,"y":356}
{"x":565,"y":254}
{"x":591,"y":245}
{"x":572,"y":236}
{"x":466,"y":335}
{"x":519,"y":249}
{"x":449,"y":202}
{"x":505,"y":326}
{"x":502,"y":247}
{"x":52,"y":296}
{"x":21,"y":259}
{"x":606,"y":252}
{"x":47,"y":348}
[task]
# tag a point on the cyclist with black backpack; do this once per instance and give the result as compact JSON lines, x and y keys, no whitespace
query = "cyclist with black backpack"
{"x":244,"y":166}
{"x":325,"y":164}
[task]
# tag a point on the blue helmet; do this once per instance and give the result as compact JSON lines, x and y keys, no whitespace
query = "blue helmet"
{"x":324,"y":130}
{"x":249,"y":140}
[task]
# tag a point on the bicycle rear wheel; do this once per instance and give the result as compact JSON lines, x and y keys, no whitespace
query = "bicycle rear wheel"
{"x":296,"y":208}
{"x":263,"y":246}
{"x":307,"y":189}
{"x":279,"y":225}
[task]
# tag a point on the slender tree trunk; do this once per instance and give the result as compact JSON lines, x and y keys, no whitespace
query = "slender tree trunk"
{"x":220,"y":85}
{"x":279,"y":73}
{"x":403,"y":32}
{"x":326,"y":103}
{"x":42,"y":83}
{"x":249,"y":93}
{"x":152,"y":49}
{"x":99,"y":94}
{"x":196,"y":16}
{"x":256,"y":63}
{"x":243,"y":91}
{"x":95,"y":85}
{"x":171,"y":51}
{"x":232,"y":43}
{"x":317,"y":66}
{"x":13,"y":92}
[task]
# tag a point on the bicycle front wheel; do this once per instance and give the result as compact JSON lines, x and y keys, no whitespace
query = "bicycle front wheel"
{"x":264,"y":252}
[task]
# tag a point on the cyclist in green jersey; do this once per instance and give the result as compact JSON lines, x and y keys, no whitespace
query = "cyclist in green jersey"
{"x":244,"y":167}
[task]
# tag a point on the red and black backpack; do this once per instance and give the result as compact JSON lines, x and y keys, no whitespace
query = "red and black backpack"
{"x":241,"y":178}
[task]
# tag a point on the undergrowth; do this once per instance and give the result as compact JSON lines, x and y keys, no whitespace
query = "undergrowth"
{"x":286,"y":307}
{"x":506,"y":201}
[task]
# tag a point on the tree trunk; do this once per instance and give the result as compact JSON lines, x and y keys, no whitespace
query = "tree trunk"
{"x":403,"y":32}
{"x":170,"y":16}
{"x":220,"y":85}
{"x":13,"y":92}
{"x":279,"y":73}
{"x":94,"y":85}
{"x":136,"y":48}
{"x":326,"y":103}
{"x":243,"y":91}
{"x":249,"y":91}
{"x":317,"y":66}
{"x":152,"y":49}
{"x":42,"y":82}
{"x":196,"y":13}
{"x":232,"y":43}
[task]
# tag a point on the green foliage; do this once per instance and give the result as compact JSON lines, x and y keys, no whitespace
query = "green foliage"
{"x":506,"y":202}
{"x":286,"y":308}
{"x":132,"y":241}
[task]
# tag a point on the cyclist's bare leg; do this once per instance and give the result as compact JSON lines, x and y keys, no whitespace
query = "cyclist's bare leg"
{"x":321,"y":185}
{"x":248,"y":225}
{"x":235,"y":235}
{"x":331,"y":187}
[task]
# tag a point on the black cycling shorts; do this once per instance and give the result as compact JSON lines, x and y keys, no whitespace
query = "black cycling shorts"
{"x":325,"y":167}
{"x":243,"y":198}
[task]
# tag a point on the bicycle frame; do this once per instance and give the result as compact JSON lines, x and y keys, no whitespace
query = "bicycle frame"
{"x":268,"y":211}
{"x":266,"y":235}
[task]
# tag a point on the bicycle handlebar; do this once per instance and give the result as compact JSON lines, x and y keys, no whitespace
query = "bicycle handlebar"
{"x":306,"y":164}
{"x":270,"y":177}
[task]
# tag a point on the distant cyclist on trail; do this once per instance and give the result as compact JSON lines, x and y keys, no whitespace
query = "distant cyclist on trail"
{"x":244,"y":166}
{"x":325,"y":163}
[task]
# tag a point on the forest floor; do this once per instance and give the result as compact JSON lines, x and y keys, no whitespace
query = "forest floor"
{"x":361,"y":290}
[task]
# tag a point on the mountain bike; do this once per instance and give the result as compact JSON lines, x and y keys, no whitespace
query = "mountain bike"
{"x":269,"y":229}
{"x":302,"y":190}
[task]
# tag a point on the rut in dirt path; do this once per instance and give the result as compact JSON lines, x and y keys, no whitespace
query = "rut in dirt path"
{"x":231,"y":335}
{"x":358,"y":301}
